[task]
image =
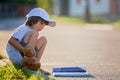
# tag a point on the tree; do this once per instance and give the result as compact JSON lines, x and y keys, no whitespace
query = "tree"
{"x":87,"y":11}
{"x":46,"y":4}
{"x":20,"y":1}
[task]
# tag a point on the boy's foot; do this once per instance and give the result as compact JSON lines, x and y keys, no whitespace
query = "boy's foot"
{"x":44,"y":72}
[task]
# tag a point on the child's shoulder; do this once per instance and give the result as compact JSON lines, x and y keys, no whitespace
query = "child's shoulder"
{"x":23,"y":27}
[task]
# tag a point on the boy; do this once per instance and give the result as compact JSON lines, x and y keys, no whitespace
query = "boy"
{"x":27,"y":35}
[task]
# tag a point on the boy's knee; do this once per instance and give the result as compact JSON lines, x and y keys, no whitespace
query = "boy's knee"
{"x":43,"y":38}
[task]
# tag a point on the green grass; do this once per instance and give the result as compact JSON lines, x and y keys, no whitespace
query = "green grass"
{"x":9,"y":72}
{"x":118,"y":23}
{"x":76,"y":20}
{"x":99,"y":20}
{"x":15,"y":72}
{"x":2,"y":56}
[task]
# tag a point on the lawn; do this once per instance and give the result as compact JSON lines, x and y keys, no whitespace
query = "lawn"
{"x":79,"y":20}
{"x":118,"y":23}
{"x":64,"y":19}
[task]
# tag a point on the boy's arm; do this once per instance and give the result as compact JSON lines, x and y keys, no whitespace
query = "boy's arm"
{"x":15,"y":43}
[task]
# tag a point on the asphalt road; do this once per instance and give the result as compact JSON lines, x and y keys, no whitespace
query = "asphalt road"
{"x":93,"y":45}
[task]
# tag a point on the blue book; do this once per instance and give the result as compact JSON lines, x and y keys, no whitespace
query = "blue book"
{"x":70,"y":74}
{"x":70,"y":69}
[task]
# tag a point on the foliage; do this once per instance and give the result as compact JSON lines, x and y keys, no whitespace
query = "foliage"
{"x":118,"y":23}
{"x":9,"y":72}
{"x":65,"y":19}
{"x":20,"y":1}
{"x":46,"y":4}
{"x":2,"y":56}
{"x":99,"y":20}
{"x":15,"y":72}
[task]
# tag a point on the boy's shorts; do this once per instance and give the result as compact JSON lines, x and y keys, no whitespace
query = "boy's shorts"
{"x":15,"y":56}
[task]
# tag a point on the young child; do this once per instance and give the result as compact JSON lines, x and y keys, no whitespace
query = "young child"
{"x":27,"y":34}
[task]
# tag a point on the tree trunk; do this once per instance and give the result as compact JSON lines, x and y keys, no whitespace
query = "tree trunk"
{"x":87,"y":11}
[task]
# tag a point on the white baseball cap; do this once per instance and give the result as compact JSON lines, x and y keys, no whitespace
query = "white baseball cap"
{"x":43,"y":14}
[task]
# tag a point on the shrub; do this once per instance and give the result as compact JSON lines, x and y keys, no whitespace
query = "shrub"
{"x":118,"y":23}
{"x":15,"y":72}
{"x":2,"y":56}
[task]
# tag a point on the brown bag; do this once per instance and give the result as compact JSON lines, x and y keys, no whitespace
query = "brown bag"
{"x":29,"y":60}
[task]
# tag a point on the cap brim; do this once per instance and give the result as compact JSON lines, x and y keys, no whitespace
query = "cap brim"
{"x":52,"y":24}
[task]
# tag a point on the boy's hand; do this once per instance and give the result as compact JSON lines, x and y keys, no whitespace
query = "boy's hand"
{"x":30,"y":63}
{"x":31,"y":60}
{"x":29,"y":51}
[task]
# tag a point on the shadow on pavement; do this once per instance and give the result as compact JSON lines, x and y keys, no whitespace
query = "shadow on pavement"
{"x":88,"y":76}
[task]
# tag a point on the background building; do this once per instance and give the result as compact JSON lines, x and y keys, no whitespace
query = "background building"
{"x":78,"y":7}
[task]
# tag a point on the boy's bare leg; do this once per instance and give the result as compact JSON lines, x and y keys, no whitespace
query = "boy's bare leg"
{"x":31,"y":38}
{"x":41,"y":44}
